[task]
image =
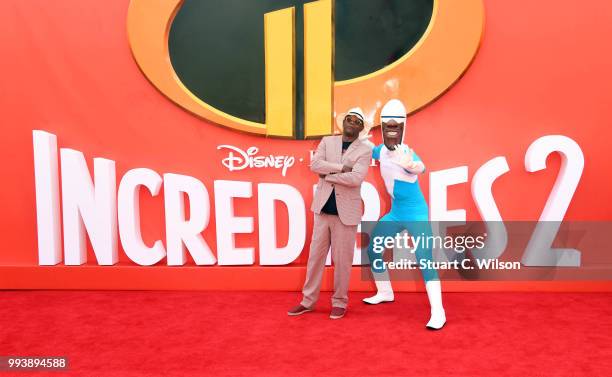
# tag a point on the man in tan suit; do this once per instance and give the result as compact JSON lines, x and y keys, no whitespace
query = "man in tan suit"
{"x":342,"y":163}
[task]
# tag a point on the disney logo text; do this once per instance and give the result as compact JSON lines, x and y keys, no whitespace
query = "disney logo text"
{"x":238,"y":159}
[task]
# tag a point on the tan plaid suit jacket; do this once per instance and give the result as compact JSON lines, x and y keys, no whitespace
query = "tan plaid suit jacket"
{"x":328,"y":160}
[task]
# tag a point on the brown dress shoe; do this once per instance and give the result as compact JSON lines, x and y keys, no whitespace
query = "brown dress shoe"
{"x":300,"y":309}
{"x":337,"y":312}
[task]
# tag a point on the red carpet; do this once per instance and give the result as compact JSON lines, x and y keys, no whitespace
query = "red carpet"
{"x":246,"y":334}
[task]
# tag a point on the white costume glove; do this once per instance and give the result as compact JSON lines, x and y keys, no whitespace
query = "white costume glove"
{"x":366,"y":140}
{"x":402,"y":156}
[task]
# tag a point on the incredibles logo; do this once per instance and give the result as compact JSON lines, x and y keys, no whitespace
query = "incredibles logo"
{"x":283,"y":68}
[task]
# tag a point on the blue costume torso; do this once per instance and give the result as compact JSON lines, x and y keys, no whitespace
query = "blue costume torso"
{"x":408,"y":202}
{"x":409,"y":210}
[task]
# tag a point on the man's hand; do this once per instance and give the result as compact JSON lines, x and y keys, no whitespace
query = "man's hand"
{"x":347,"y":169}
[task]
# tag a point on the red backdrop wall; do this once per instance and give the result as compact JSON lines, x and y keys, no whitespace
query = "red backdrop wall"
{"x":543,"y":68}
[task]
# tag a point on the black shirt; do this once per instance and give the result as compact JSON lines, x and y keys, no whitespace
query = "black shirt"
{"x":330,"y":206}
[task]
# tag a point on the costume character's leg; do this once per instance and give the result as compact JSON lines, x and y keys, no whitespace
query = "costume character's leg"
{"x":387,"y":226}
{"x":420,"y":226}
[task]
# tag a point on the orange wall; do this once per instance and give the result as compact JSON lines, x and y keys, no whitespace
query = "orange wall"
{"x":543,"y":68}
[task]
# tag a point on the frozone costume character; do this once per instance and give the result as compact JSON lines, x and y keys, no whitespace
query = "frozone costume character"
{"x":400,"y":167}
{"x":342,"y":163}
